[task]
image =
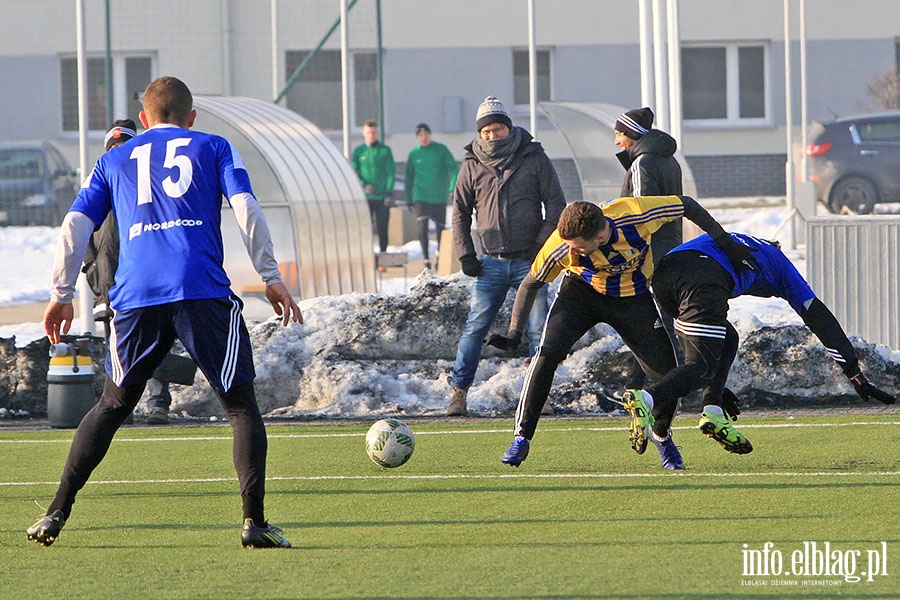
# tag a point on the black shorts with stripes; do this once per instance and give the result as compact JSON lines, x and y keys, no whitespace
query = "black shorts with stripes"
{"x":211,"y":330}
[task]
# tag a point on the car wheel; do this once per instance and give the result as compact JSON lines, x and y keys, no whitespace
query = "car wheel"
{"x":854,"y":195}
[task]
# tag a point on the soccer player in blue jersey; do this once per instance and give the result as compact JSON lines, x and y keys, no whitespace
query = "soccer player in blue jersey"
{"x":694,"y":282}
{"x":606,"y":255}
{"x":165,"y":188}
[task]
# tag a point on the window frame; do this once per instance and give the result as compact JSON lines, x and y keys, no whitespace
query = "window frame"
{"x":732,"y":87}
{"x":120,"y":89}
{"x":538,"y":50}
{"x":337,"y":131}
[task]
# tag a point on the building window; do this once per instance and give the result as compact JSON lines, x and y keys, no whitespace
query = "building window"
{"x":725,"y":83}
{"x":131,"y":74}
{"x":520,"y":76}
{"x":316,"y":94}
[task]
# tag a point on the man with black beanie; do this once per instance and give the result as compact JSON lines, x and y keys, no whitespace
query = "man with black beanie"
{"x":508,"y":184}
{"x":651,"y":169}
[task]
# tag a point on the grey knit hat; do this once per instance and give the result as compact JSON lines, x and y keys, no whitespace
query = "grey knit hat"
{"x":490,"y":111}
{"x":635,"y":122}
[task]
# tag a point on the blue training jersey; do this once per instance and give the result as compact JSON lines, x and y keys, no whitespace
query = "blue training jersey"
{"x":777,"y":276}
{"x":165,"y":188}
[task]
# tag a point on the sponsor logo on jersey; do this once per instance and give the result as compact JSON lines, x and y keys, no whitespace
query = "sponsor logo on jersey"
{"x":637,"y":258}
{"x":138,"y":228}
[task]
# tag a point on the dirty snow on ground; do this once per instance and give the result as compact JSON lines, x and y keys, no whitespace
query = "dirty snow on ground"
{"x":362,"y":355}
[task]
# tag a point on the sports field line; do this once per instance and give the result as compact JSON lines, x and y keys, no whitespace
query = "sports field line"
{"x":447,"y":477}
{"x":288,"y":436}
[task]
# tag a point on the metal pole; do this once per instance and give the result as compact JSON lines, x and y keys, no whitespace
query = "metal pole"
{"x":380,"y":70}
{"x":789,"y":121}
{"x":532,"y":71}
{"x":275,"y":84}
{"x":86,"y":298}
{"x":675,"y":73}
{"x":804,"y":119}
{"x":659,"y":66}
{"x":645,"y":25}
{"x":345,"y":78}
{"x":226,"y":48}
{"x":108,"y":72}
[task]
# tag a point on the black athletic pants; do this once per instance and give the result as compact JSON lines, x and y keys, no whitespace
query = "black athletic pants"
{"x":576,"y":308}
{"x":381,"y":214}
{"x":424,"y":211}
{"x":664,"y":239}
{"x":95,"y":433}
{"x":695,"y":289}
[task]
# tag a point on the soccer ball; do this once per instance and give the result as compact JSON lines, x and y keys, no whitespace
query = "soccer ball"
{"x":390,"y":442}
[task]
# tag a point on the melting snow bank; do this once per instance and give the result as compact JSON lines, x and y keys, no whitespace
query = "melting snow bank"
{"x":367,"y":355}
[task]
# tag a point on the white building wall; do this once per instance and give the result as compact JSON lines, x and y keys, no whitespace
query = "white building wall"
{"x":441,"y":49}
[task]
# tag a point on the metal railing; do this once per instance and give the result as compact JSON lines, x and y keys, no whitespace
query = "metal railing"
{"x":853,"y":265}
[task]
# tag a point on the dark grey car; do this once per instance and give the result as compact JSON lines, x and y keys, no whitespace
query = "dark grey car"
{"x":37,"y":184}
{"x":854,"y":162}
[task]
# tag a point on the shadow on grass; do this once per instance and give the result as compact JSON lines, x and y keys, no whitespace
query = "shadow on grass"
{"x":655,"y":485}
{"x":668,"y":595}
{"x":416,"y":487}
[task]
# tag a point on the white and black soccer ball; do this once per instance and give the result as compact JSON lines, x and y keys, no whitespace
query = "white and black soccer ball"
{"x":390,"y":442}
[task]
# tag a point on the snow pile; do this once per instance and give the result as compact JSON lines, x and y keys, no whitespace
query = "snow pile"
{"x":366,"y":355}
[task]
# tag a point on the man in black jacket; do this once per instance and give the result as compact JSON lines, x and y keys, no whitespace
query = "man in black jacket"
{"x":651,"y":169}
{"x":508,"y":182}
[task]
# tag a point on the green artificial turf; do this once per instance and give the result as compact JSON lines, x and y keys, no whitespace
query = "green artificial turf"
{"x":584,"y":516}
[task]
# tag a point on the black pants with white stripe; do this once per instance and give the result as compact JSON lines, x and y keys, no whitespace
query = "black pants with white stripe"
{"x":695,"y":289}
{"x":214,"y":334}
{"x":576,"y":308}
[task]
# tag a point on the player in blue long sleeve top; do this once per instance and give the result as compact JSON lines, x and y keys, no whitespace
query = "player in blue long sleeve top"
{"x":694,"y":282}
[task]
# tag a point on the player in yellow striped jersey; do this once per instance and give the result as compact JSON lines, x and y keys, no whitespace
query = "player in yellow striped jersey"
{"x":604,"y":252}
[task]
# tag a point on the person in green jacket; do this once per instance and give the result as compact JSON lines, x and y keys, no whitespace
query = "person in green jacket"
{"x":374,"y":165}
{"x":430,"y":177}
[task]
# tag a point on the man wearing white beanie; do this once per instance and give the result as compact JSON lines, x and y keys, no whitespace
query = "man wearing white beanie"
{"x":509,"y":186}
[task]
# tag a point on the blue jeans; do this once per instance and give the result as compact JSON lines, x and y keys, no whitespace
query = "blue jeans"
{"x":159,"y":394}
{"x":488,"y":294}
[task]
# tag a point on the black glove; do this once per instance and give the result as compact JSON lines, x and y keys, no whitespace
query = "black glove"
{"x":471,"y":266}
{"x":729,"y":405}
{"x":503,"y":342}
{"x":867,"y":391}
{"x":739,"y":255}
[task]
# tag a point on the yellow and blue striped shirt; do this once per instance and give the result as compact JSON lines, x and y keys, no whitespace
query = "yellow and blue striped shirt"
{"x":623,"y":266}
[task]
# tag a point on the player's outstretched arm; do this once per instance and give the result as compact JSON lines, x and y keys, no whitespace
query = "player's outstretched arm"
{"x":283,"y":303}
{"x":867,"y":391}
{"x":739,"y":255}
{"x":525,"y":296}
